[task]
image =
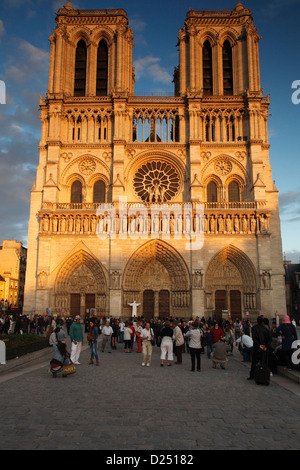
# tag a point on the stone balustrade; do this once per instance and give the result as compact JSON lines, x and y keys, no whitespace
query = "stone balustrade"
{"x":226,"y":218}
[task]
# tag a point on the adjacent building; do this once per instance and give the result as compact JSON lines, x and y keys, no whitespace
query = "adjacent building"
{"x":13,"y":257}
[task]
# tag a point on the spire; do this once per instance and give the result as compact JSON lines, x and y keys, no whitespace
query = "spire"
{"x":239,"y":6}
{"x":68,"y":6}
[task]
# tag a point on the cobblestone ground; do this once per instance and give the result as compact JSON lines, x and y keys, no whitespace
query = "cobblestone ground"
{"x":121,"y":405}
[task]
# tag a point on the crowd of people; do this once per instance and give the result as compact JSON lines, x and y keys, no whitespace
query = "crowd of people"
{"x":197,"y":336}
{"x":174,"y":337}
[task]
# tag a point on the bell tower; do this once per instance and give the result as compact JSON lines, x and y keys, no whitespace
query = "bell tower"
{"x":91,"y":53}
{"x":219,"y":53}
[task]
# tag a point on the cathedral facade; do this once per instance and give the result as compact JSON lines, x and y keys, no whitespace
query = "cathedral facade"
{"x":166,"y":202}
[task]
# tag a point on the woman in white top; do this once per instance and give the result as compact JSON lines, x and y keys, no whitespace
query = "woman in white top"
{"x":127,"y":338}
{"x":195,"y":346}
{"x":166,"y":345}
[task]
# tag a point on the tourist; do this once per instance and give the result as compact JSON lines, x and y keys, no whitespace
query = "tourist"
{"x":121,"y":335}
{"x":107,"y":333}
{"x":53,"y":337}
{"x":69,"y":321}
{"x":127,"y":337}
{"x":132,"y":336}
{"x":92,"y":338}
{"x":247,"y":328}
{"x":195,"y":346}
{"x":185,"y":329}
{"x":209,"y":340}
{"x":138,"y":331}
{"x":179,"y":342}
{"x":166,"y":345}
{"x":219,"y":354}
{"x":76,"y":337}
{"x":115,"y":334}
{"x":237,"y":328}
{"x":61,"y":335}
{"x":289,"y":334}
{"x":147,"y":337}
{"x":246,"y":345}
{"x":60,"y":358}
{"x":261,"y":342}
{"x":217,"y":333}
{"x":229,"y":337}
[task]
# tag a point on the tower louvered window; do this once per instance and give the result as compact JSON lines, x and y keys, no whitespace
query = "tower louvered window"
{"x":227,"y":69}
{"x":207,"y":69}
{"x":102,"y":69}
{"x":80,"y":69}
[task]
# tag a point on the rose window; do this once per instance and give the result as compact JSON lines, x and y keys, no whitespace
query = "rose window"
{"x":156,"y":181}
{"x":223,"y":167}
{"x":87,"y":166}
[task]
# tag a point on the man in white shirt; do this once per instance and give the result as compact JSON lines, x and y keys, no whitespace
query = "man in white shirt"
{"x":121,"y":336}
{"x":147,"y":335}
{"x":107,"y":332}
{"x":247,"y":345}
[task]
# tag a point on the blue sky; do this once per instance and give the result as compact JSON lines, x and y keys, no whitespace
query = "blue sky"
{"x":25,"y":26}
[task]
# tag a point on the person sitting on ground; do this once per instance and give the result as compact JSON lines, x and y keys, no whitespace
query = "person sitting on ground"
{"x":219,"y":354}
{"x":60,"y":358}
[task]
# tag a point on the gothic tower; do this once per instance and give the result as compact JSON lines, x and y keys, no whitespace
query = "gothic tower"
{"x":121,"y":177}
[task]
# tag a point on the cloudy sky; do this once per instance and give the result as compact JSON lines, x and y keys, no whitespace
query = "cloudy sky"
{"x":25,"y":26}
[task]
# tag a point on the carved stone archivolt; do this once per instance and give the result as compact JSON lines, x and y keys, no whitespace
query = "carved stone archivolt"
{"x":80,"y":273}
{"x":157,"y":265}
{"x":230,"y":269}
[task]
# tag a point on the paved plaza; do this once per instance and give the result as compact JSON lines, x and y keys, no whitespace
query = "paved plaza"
{"x":121,"y":405}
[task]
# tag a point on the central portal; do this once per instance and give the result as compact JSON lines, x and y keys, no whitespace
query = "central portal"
{"x":156,"y":295}
{"x":157,"y":277}
{"x":156,"y":304}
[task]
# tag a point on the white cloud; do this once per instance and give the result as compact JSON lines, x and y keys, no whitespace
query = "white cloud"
{"x":150,"y":66}
{"x":34,"y":54}
{"x":289,"y":201}
{"x":137,"y":25}
{"x":16,"y":128}
{"x":28,"y":63}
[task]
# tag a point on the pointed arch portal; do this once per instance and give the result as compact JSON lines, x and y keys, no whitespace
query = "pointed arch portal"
{"x":157,"y":277}
{"x":81,"y":285}
{"x":231,"y":283}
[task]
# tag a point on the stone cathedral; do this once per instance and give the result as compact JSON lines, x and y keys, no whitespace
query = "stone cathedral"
{"x":135,"y":168}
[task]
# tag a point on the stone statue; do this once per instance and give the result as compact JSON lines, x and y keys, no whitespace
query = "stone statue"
{"x":134,"y":306}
